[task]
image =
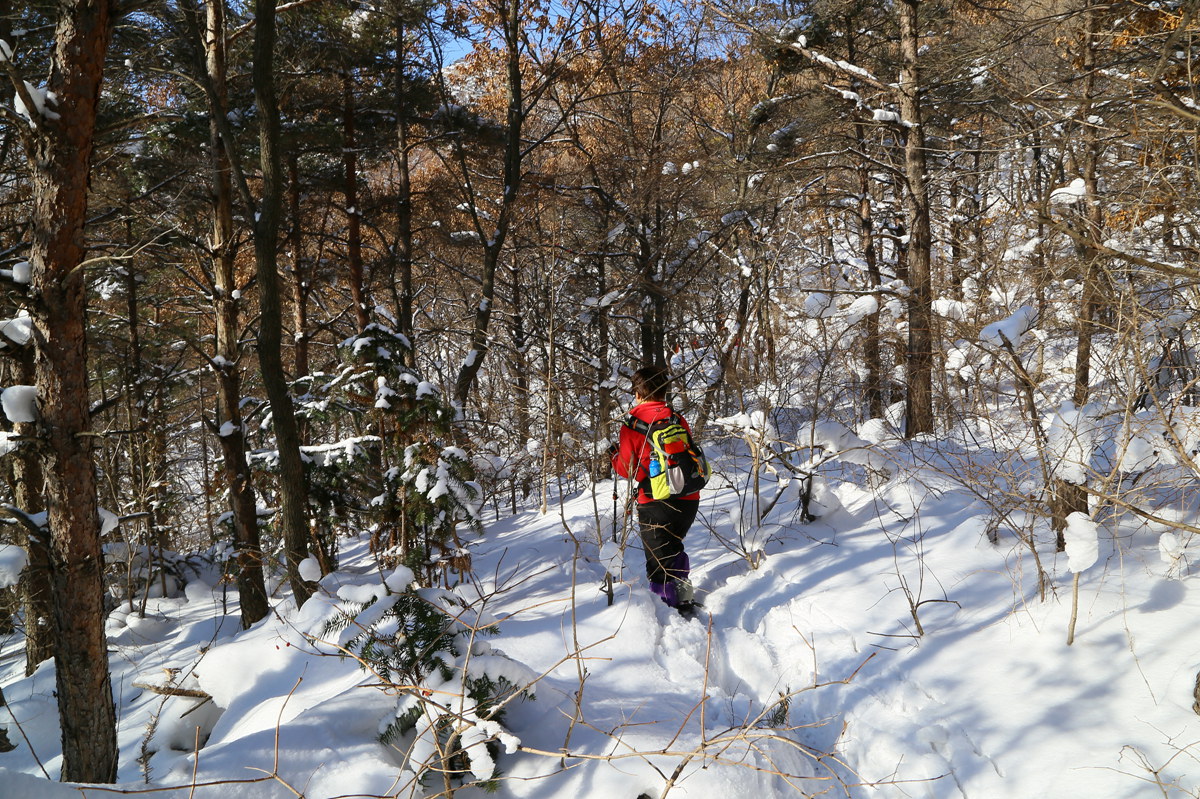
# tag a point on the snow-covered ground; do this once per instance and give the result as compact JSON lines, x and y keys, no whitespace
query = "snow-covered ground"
{"x":810,"y":676}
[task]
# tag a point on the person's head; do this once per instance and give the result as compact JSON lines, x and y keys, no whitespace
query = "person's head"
{"x":650,"y":383}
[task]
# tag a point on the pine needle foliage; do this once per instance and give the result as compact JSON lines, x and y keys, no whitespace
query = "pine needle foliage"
{"x":451,"y":687}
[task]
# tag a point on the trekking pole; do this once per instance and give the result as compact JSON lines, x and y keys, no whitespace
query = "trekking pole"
{"x":608,"y":588}
{"x":616,"y":499}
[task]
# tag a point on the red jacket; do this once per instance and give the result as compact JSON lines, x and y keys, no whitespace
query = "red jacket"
{"x":632,"y":458}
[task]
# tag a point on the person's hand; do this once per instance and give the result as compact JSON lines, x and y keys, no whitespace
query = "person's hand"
{"x":612,"y":449}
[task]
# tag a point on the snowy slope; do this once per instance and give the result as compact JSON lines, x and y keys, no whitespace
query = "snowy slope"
{"x":810,"y":675}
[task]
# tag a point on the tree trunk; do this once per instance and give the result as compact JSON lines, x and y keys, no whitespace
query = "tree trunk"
{"x":404,"y":215}
{"x":353,"y":227}
{"x":919,"y":397}
{"x":652,"y":326}
{"x":494,"y":245}
{"x":230,"y":430}
{"x":605,"y":405}
{"x":725,"y":359}
{"x":1068,"y":498}
{"x":520,"y":343}
{"x":60,"y":161}
{"x":872,"y":349}
{"x":300,"y":276}
{"x":27,"y":487}
{"x":292,"y":518}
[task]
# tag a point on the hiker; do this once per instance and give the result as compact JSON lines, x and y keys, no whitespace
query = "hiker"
{"x":663,"y":523}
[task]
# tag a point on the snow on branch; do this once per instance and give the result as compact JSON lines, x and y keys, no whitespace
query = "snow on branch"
{"x":1176,"y":269}
{"x":39,"y":98}
{"x":1073,"y":192}
{"x":1010,"y":331}
{"x":1081,"y":542}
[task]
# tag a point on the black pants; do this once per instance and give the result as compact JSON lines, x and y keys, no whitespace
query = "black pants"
{"x":663,"y":525}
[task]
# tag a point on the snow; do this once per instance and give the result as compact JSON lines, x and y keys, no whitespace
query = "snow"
{"x":42,"y":100}
{"x":383,"y":393}
{"x":861,"y":308}
{"x":1010,"y":331}
{"x":18,"y":330}
{"x":22,"y":272}
{"x":1171,"y":550}
{"x":951,"y":309}
{"x":1083,"y":546}
{"x":1073,"y":192}
{"x":1027,"y":248}
{"x":109,"y":521}
{"x":819,"y":305}
{"x":613,"y":558}
{"x":987,"y":701}
{"x":310,"y":569}
{"x":12,"y":560}
{"x":19,"y":403}
{"x":1071,"y":435}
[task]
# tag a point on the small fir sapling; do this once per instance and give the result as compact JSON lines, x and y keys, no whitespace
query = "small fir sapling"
{"x":413,"y":488}
{"x":427,"y":647}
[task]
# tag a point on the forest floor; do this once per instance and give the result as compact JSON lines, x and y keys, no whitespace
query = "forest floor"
{"x":807,"y":675}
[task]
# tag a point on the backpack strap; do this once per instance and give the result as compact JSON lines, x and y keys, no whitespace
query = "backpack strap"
{"x":643,"y":427}
{"x":637,"y":425}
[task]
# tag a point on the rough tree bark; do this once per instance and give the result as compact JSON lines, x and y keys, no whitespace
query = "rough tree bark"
{"x":24,"y":474}
{"x":494,"y":243}
{"x":300,"y":274}
{"x":231,"y":433}
{"x":362,"y":317}
{"x":919,"y":395}
{"x":60,"y":151}
{"x":403,"y":251}
{"x":1068,"y":498}
{"x":292,"y":517}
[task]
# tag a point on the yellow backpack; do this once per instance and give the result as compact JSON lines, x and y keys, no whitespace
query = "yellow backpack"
{"x":677,"y":464}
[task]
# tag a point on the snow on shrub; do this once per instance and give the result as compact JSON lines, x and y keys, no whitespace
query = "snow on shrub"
{"x":612,"y":557}
{"x":820,"y":305}
{"x":17,"y":330}
{"x":1011,"y":330}
{"x":1081,"y":537}
{"x":1171,"y":551}
{"x":1073,"y":192}
{"x":428,"y":647}
{"x":1071,"y":435}
{"x":754,"y":426}
{"x":951,"y":309}
{"x":861,"y":308}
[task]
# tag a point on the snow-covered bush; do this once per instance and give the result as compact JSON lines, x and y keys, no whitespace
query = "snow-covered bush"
{"x":436,"y":492}
{"x":137,"y":572}
{"x":428,"y":648}
{"x":404,"y":480}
